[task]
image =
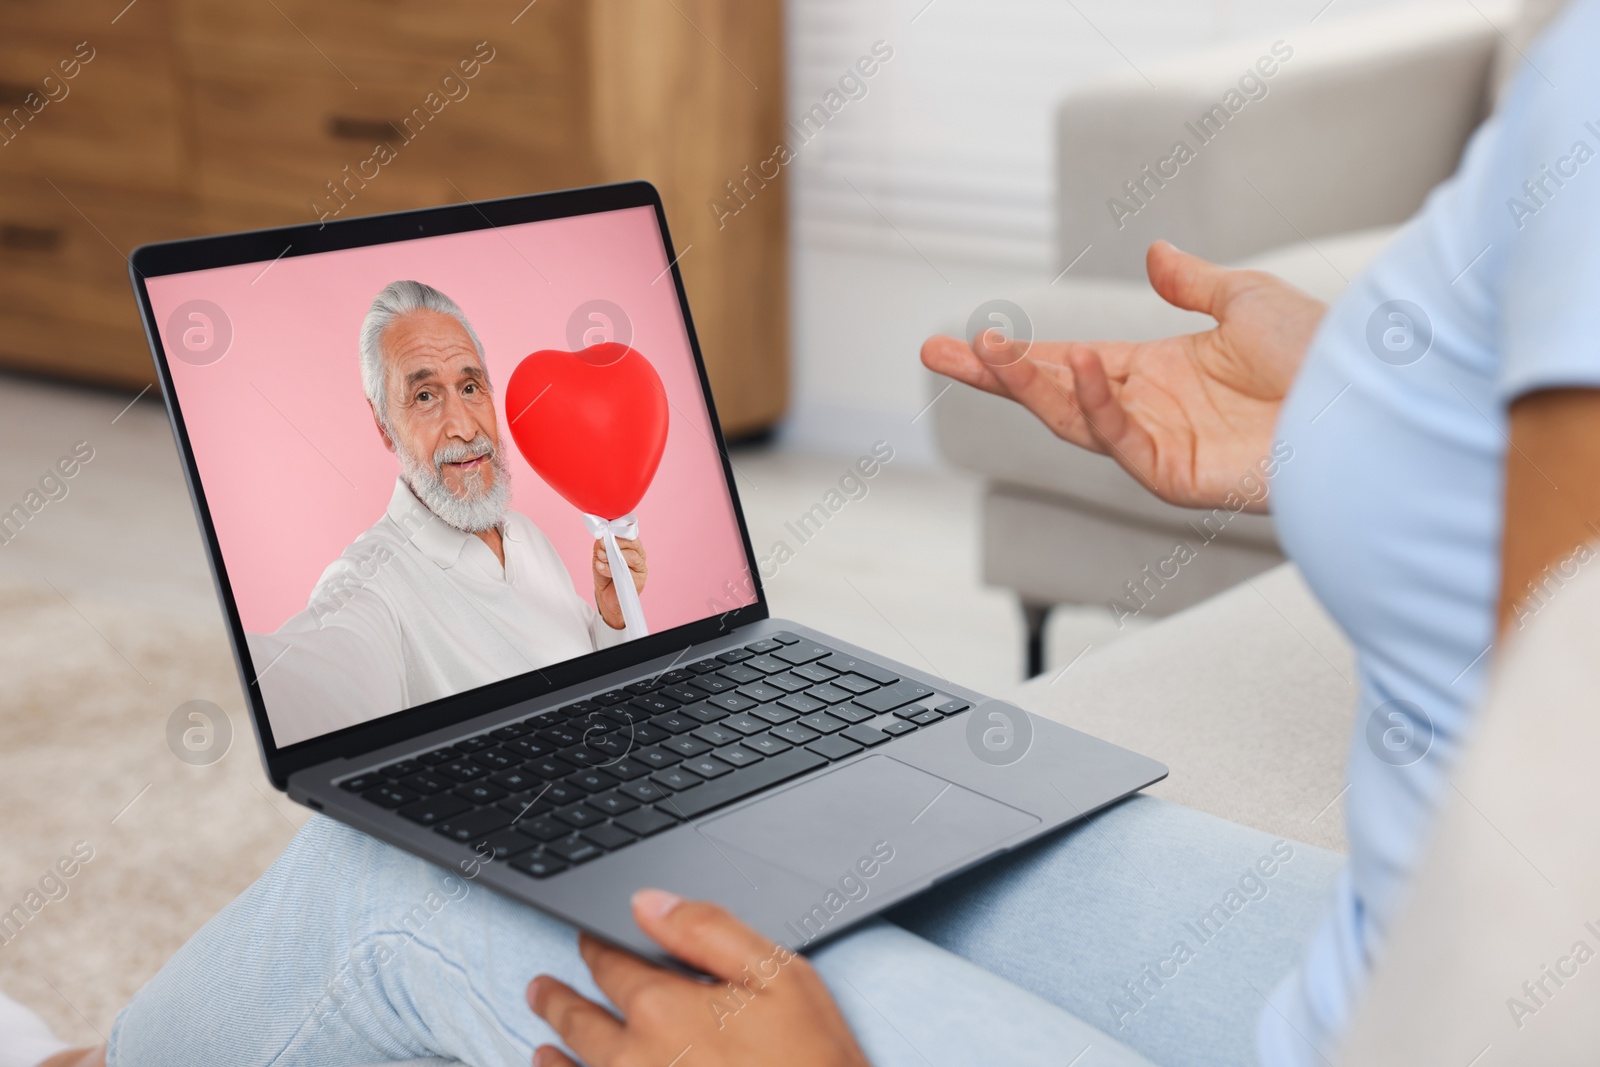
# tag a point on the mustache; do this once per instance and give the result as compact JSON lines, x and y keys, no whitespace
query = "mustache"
{"x":458,"y":452}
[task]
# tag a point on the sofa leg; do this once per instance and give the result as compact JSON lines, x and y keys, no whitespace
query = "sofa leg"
{"x":1034,"y":616}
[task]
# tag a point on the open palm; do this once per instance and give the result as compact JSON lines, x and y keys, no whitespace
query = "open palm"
{"x":1188,"y":416}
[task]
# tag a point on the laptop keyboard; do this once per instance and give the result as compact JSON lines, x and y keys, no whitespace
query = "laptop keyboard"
{"x":569,"y":785}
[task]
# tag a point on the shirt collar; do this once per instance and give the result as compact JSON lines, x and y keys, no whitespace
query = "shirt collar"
{"x":434,"y":538}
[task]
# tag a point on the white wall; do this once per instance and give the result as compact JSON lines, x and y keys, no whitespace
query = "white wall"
{"x":932,"y":192}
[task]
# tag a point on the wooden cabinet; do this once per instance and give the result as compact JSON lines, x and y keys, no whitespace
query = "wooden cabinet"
{"x":183,"y":117}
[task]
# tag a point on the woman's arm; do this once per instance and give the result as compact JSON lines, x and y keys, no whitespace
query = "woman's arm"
{"x":1552,"y":498}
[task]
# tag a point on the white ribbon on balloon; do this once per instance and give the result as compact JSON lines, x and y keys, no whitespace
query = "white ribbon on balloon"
{"x":608,"y":530}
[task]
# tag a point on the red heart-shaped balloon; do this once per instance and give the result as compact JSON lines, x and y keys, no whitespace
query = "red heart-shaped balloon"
{"x":592,"y":424}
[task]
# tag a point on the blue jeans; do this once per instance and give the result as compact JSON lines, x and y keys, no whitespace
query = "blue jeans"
{"x":1147,"y":935}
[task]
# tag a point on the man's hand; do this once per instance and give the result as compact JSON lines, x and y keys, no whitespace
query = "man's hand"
{"x":605,"y":590}
{"x":1188,"y":416}
{"x":769,"y":1008}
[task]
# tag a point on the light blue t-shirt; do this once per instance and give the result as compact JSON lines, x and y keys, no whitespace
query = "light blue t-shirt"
{"x":1391,"y":503}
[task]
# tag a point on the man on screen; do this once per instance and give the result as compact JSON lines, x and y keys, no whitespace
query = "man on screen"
{"x":450,"y":589}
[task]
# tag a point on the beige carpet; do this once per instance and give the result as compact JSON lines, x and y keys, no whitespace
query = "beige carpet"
{"x":89,"y":687}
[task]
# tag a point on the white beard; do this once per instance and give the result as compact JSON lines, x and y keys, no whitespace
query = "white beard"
{"x":482,"y":508}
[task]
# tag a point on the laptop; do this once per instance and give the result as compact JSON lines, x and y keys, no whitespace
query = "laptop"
{"x":467,"y":688}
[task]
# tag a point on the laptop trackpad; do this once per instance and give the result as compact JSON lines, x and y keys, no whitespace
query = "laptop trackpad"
{"x":879,"y":814}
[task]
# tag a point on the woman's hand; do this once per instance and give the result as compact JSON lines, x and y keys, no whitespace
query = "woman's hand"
{"x":769,"y":1008}
{"x":1188,"y":416}
{"x":605,"y":589}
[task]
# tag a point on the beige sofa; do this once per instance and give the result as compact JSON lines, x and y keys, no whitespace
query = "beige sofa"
{"x":1308,"y":181}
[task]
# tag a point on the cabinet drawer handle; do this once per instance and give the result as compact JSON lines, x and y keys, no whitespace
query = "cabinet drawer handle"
{"x":22,"y":238}
{"x":348,"y":128}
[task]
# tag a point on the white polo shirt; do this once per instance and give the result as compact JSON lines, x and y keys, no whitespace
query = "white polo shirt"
{"x":415,"y":610}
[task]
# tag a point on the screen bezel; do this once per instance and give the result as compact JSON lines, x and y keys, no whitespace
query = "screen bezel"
{"x":263,"y":246}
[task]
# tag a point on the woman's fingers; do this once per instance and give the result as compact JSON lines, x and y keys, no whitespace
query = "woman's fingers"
{"x":620,"y":975}
{"x":704,"y":935}
{"x":1117,"y":433}
{"x":1186,"y":281}
{"x":587,"y":1028}
{"x":550,"y":1056}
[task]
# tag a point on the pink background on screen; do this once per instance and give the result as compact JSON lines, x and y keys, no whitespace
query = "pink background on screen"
{"x":293,"y":468}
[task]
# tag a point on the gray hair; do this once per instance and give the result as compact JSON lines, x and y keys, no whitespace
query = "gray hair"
{"x":401,"y":298}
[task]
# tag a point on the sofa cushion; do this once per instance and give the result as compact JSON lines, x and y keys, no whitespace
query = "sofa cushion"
{"x":1248,"y":698}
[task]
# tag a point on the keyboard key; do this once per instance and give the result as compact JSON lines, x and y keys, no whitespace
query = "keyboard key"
{"x":674,"y":722}
{"x":850,"y":665}
{"x":767,"y":745}
{"x":767,"y":773}
{"x":853,"y":683}
{"x":625,"y":769}
{"x":612,"y":803}
{"x":953,"y":707}
{"x":389,"y":796}
{"x":744,"y":724}
{"x":496,"y":759}
{"x":426,"y":783}
{"x":677,"y":676}
{"x":584,"y":756}
{"x":656,"y":757}
{"x":898,"y":727}
{"x":608,"y":836}
{"x":473,"y":744}
{"x":741,"y":673}
{"x":438,"y":755}
{"x":479,"y":792}
{"x":704,"y":712}
{"x":893,"y":696}
{"x":784,"y":637}
{"x":706,"y":666}
{"x":683,"y":694}
{"x":850,"y":713}
{"x":656,"y":703}
{"x":592,"y":781}
{"x":794,"y":733}
{"x":788,"y":682}
{"x":574,"y":849}
{"x":530,"y":747}
{"x":582,"y":707}
{"x":814,"y":672}
{"x":686,"y":745}
{"x":801,"y":652}
{"x":710,"y":683}
{"x":579,"y":815}
{"x":525,"y":805}
{"x":430,"y":811}
{"x":834,"y":747}
{"x":613,"y":746}
{"x":560,"y":736}
{"x":646,"y":821}
{"x":766,"y":665}
{"x":823,"y":723}
{"x":508,"y":843}
{"x":734,"y":655}
{"x":515,"y":781}
{"x":362,"y":782}
{"x":761,"y":691}
{"x":615,"y":696}
{"x":774,"y":714}
{"x":829,"y":693}
{"x":763,"y":646}
{"x":865,"y":735}
{"x":926,"y":717}
{"x":542,"y":828}
{"x":404,"y":769}
{"x":676,"y":779}
{"x":716,"y":735}
{"x":707,"y":767}
{"x":462,"y":770}
{"x":549,"y":767}
{"x":803,"y":704}
{"x":466,"y":828}
{"x":736,"y":756}
{"x":645,"y":734}
{"x":643,"y":790}
{"x":539,"y":864}
{"x":731,"y":702}
{"x":648,"y":685}
{"x":511,"y":732}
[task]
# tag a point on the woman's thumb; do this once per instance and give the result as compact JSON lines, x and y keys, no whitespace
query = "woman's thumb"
{"x":1185,"y":281}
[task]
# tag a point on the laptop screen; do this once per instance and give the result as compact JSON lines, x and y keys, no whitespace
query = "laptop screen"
{"x":438,"y":463}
